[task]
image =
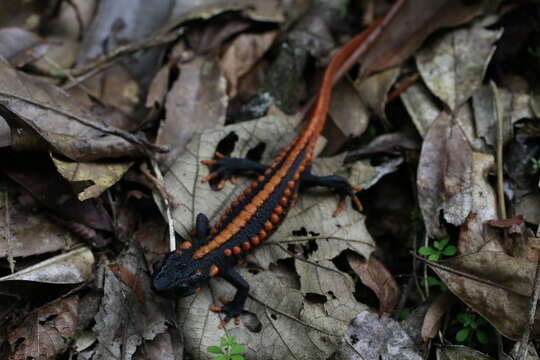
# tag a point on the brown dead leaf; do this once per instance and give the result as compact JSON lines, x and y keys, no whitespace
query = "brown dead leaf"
{"x":506,"y":223}
{"x":41,"y":116}
{"x":409,"y":28}
{"x":196,"y":101}
{"x":242,"y":54}
{"x":444,"y":175}
{"x":432,"y":321}
{"x":130,"y":279}
{"x":375,"y":276}
{"x":503,"y":299}
{"x":43,"y":333}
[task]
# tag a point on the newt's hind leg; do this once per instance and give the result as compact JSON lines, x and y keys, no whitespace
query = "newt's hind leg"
{"x":226,"y":168}
{"x":338,"y":183}
{"x":233,"y":309}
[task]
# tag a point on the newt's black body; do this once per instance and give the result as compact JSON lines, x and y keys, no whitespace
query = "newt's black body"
{"x":255,"y":214}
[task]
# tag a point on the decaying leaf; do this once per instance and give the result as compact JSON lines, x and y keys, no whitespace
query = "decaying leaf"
{"x":374,"y":89}
{"x":242,"y":54}
{"x":44,"y":333}
{"x":42,"y":116}
{"x":103,"y":175}
{"x":197,"y":101}
{"x":122,"y":322}
{"x":445,"y":175}
{"x":20,"y":46}
{"x":504,"y":300}
{"x":453,"y":65}
{"x":375,"y":276}
{"x":31,"y":234}
{"x":455,"y":352}
{"x":371,"y":337}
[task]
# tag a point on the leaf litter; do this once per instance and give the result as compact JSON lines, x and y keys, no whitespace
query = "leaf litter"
{"x":438,"y":123}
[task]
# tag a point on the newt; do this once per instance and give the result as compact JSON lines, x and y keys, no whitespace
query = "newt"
{"x":258,"y":211}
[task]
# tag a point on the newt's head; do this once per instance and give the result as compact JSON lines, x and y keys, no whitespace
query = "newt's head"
{"x":175,"y":276}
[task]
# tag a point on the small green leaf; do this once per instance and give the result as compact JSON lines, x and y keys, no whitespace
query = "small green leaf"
{"x":463,"y":318}
{"x":221,"y":357}
{"x":437,"y":245}
{"x":425,"y":251}
{"x":450,"y":250}
{"x":444,"y":241}
{"x":237,"y":357}
{"x":433,"y":281}
{"x":237,"y":349}
{"x":463,"y":334}
{"x":482,"y":337}
{"x":434,"y":257}
{"x":214,"y":350}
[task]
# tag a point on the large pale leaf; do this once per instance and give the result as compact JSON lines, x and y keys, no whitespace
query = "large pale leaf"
{"x":309,"y":222}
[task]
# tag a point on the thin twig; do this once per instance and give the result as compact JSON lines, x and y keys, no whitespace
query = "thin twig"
{"x":524,"y":341}
{"x":166,"y":203}
{"x":500,"y":143}
{"x":7,"y":230}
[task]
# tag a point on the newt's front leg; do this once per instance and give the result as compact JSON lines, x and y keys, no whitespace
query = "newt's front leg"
{"x":226,"y":168}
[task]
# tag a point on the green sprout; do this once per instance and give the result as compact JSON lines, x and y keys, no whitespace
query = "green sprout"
{"x":439,"y":249}
{"x":472,"y":327}
{"x":229,"y":349}
{"x":535,"y":165}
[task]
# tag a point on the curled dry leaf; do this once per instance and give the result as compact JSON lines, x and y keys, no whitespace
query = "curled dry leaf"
{"x":242,"y":54}
{"x":128,"y":314}
{"x":374,"y":89}
{"x":101,"y":176}
{"x":432,"y":321}
{"x":444,"y":175}
{"x":196,"y":101}
{"x":43,"y":333}
{"x":504,"y":300}
{"x":453,"y":66}
{"x":406,"y":31}
{"x":20,"y":46}
{"x":375,"y":276}
{"x":73,"y":267}
{"x":371,"y":337}
{"x":42,"y":116}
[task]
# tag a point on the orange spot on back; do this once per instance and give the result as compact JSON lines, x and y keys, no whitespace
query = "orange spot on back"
{"x":214,"y":270}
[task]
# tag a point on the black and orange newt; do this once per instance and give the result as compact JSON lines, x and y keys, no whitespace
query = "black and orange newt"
{"x":257,"y":212}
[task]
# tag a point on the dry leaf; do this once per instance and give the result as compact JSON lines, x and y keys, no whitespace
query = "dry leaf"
{"x":453,"y":66}
{"x":103,"y":175}
{"x":42,"y":116}
{"x":43,"y":333}
{"x":421,"y":106}
{"x":454,"y":352}
{"x":375,"y":276}
{"x":242,"y":54}
{"x":409,"y":28}
{"x":437,"y":309}
{"x":130,"y":279}
{"x":444,"y":175}
{"x":504,"y":301}
{"x":122,"y":322}
{"x":196,"y":101}
{"x":374,"y":89}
